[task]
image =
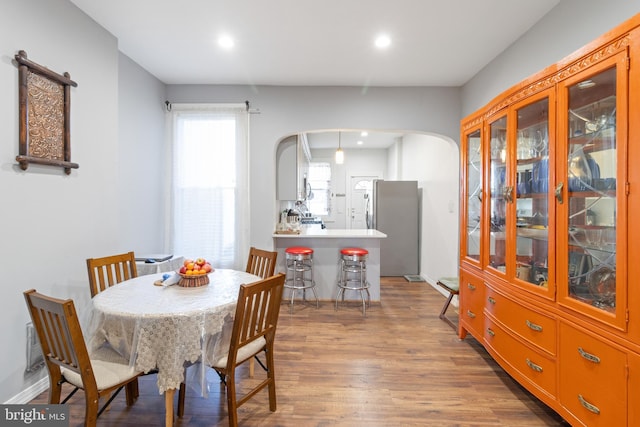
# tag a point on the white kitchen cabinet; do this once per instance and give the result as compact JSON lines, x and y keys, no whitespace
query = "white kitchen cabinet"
{"x":287,"y":164}
{"x":292,"y":162}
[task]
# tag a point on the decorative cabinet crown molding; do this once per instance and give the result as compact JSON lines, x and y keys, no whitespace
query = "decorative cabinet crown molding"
{"x":544,"y":80}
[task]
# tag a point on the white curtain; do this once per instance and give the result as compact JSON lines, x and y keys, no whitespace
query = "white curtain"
{"x":209,"y":204}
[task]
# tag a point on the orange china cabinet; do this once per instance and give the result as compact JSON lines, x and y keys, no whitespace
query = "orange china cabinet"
{"x":550,"y":231}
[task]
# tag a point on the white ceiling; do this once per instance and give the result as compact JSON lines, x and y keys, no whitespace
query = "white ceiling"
{"x":348,"y":139}
{"x":315,"y":43}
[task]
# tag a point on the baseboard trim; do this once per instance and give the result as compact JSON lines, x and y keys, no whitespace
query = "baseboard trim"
{"x":33,"y":391}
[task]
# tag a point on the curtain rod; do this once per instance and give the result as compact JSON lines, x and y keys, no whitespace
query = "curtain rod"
{"x":250,"y":110}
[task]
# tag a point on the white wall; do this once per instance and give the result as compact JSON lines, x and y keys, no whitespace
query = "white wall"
{"x":357,"y":162}
{"x":289,"y":110}
{"x":394,"y":160}
{"x":51,"y":222}
{"x":569,"y":26}
{"x":434,"y":163}
{"x":143,"y":181}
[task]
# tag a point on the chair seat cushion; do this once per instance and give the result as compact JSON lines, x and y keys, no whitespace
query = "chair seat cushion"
{"x":219,"y":353}
{"x":449,"y":283}
{"x":244,"y":353}
{"x":107,"y":374}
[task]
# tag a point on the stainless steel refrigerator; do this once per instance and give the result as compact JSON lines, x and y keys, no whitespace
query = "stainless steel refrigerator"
{"x":394,"y":210}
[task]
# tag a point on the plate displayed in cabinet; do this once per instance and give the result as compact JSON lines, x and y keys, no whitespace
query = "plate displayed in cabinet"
{"x":602,"y":285}
{"x":539,"y":233}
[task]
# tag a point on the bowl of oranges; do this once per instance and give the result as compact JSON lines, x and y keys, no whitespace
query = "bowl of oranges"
{"x":194,"y":273}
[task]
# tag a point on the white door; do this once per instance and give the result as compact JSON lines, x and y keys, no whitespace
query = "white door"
{"x":360,"y":203}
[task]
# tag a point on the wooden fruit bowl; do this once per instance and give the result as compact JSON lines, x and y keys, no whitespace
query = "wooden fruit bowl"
{"x":193,"y":281}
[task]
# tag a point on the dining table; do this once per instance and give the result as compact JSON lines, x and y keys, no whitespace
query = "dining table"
{"x":165,"y":328}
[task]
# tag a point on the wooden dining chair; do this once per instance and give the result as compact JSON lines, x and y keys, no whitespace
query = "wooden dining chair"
{"x":261,"y":263}
{"x":253,"y":331}
{"x":110,"y":270}
{"x":67,"y":359}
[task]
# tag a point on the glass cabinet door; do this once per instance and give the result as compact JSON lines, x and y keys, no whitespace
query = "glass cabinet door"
{"x":473,"y":194}
{"x":532,"y":183}
{"x":593,"y":172}
{"x":499,"y":194}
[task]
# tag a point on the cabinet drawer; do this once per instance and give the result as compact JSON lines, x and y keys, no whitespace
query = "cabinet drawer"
{"x":593,"y":378}
{"x":472,"y":303}
{"x":532,"y":326}
{"x":538,"y":369}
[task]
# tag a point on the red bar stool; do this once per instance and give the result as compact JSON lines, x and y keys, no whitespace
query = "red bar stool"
{"x":299,"y":261}
{"x":353,"y":275}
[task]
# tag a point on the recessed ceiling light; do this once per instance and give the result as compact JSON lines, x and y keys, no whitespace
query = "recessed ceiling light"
{"x":226,"y":42}
{"x":364,"y":133}
{"x":359,"y":142}
{"x":383,"y":41}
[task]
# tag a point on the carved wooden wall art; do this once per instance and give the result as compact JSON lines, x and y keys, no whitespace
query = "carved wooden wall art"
{"x":45,"y":106}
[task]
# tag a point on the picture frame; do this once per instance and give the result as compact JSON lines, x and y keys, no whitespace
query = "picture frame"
{"x":44,"y":115}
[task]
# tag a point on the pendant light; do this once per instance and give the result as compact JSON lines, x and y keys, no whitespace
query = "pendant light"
{"x":339,"y":152}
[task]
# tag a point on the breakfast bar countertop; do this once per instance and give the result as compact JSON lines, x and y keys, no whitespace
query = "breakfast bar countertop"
{"x":327,"y":233}
{"x":326,"y":244}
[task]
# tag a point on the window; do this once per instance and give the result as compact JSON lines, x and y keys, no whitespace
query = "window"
{"x":209,"y":201}
{"x":320,"y":181}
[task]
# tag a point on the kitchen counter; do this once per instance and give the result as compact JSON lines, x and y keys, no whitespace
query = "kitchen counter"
{"x":326,"y":244}
{"x":326,"y":233}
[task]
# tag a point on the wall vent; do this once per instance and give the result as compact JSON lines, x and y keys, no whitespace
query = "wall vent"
{"x":35,"y":359}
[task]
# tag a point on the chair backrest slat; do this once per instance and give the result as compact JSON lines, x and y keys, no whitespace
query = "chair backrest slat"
{"x":59,"y":331}
{"x":110,"y":270}
{"x":257,"y":311}
{"x":56,"y":336}
{"x":261,"y":263}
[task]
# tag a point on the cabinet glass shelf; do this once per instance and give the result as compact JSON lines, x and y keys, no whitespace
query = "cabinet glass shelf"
{"x":592,"y":171}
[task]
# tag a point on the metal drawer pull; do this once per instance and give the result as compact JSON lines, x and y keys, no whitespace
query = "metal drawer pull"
{"x":588,"y":356}
{"x":471,"y":314}
{"x":492,"y":300}
{"x":533,"y":366}
{"x":470,"y":286}
{"x":533,"y":326}
{"x":490,"y":332}
{"x":588,"y":406}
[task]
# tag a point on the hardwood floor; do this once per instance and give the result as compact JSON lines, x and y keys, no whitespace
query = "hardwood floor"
{"x":399,"y":366}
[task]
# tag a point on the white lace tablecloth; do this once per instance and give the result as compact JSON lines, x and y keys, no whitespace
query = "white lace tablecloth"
{"x":164,"y":327}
